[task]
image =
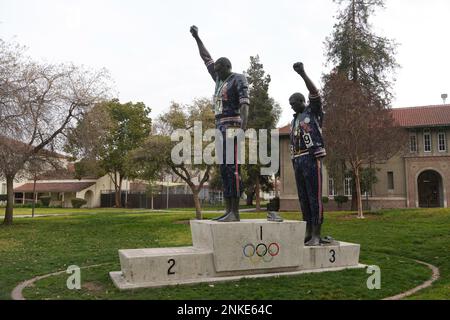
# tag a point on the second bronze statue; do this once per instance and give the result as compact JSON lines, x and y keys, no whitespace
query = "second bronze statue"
{"x":307,"y":152}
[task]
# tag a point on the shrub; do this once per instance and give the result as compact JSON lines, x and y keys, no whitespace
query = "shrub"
{"x":341,"y":200}
{"x":78,"y":203}
{"x":45,"y":200}
{"x":29,"y":205}
{"x":325,"y":199}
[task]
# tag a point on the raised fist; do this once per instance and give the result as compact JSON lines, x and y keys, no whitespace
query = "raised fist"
{"x":194,"y":31}
{"x":299,"y":68}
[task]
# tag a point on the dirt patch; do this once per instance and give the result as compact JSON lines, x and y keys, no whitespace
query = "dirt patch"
{"x":93,"y":286}
{"x":7,"y":244}
{"x":187,"y":222}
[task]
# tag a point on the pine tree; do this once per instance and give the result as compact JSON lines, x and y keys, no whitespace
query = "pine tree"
{"x":264,"y":113}
{"x":359,"y":53}
{"x":368,"y":62}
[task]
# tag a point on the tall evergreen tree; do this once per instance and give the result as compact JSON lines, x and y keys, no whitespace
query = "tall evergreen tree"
{"x":359,"y":53}
{"x":368,"y":61}
{"x":264,"y":113}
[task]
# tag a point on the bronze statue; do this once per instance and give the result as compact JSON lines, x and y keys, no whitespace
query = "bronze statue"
{"x":307,"y":153}
{"x":231,"y":103}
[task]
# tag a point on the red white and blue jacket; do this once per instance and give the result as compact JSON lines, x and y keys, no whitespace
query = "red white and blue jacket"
{"x":306,"y":130}
{"x":229,"y":94}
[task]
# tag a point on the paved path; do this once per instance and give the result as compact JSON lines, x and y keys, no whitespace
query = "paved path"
{"x":435,"y":276}
{"x":17,"y":294}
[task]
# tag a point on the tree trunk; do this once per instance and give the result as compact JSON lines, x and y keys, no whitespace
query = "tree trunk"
{"x":249,"y":198}
{"x":257,"y":194}
{"x":116,"y":198}
{"x":198,"y":208}
{"x":34,"y":198}
{"x":10,"y":200}
{"x":354,"y":206}
{"x":354,"y":63}
{"x":118,"y":189}
{"x":358,"y":194}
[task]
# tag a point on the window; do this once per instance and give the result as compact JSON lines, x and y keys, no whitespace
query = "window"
{"x":442,"y":142}
{"x":348,"y":187}
{"x":413,"y":143}
{"x":3,"y":188}
{"x":427,"y":141}
{"x":390,"y":179}
{"x":331,"y":189}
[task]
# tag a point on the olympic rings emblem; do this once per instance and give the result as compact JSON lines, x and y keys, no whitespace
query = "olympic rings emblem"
{"x":261,"y":251}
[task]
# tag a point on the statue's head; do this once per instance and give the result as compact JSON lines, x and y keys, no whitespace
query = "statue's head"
{"x":297,"y":102}
{"x":223,"y":68}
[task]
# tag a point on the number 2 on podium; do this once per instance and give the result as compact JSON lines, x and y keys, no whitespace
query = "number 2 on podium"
{"x":171,"y":263}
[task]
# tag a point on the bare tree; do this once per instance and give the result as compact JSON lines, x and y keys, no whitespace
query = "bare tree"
{"x":39,"y":164}
{"x":38,"y":103}
{"x":177,"y":118}
{"x":375,"y":139}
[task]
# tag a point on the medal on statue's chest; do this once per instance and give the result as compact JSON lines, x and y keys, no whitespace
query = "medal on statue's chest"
{"x":220,"y":96}
{"x":306,"y":129}
{"x":297,"y":131}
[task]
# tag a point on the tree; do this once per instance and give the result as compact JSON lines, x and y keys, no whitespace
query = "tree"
{"x":39,"y":102}
{"x":357,"y":130}
{"x":184,"y":117}
{"x":367,"y":60}
{"x":39,"y":164}
{"x":105,"y":138}
{"x":368,"y":179}
{"x":360,"y":54}
{"x":264,"y":113}
{"x":152,"y":159}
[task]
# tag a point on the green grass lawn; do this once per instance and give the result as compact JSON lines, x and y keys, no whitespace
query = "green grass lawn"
{"x":390,"y":239}
{"x":65,"y":211}
{"x":71,"y":211}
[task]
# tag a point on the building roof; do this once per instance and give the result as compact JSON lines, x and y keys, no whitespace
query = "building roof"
{"x":425,"y":116}
{"x":55,"y":186}
{"x":285,"y":131}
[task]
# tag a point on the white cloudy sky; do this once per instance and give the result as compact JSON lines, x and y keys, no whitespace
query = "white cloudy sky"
{"x":147,"y":47}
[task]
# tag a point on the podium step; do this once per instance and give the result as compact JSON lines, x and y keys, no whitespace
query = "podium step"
{"x":165,"y":264}
{"x":251,"y":244}
{"x":232,"y":251}
{"x":342,"y":254}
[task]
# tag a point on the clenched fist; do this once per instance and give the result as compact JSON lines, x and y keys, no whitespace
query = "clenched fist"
{"x":194,"y":31}
{"x":299,"y":68}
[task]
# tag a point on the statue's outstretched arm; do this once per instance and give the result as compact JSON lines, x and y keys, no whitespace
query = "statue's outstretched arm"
{"x":314,"y":96}
{"x":204,"y":54}
{"x":299,"y":68}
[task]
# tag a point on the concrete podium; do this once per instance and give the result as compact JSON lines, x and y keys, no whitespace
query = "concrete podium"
{"x":231,"y":251}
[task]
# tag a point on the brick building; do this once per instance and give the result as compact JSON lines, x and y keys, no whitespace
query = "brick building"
{"x":420,"y":177}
